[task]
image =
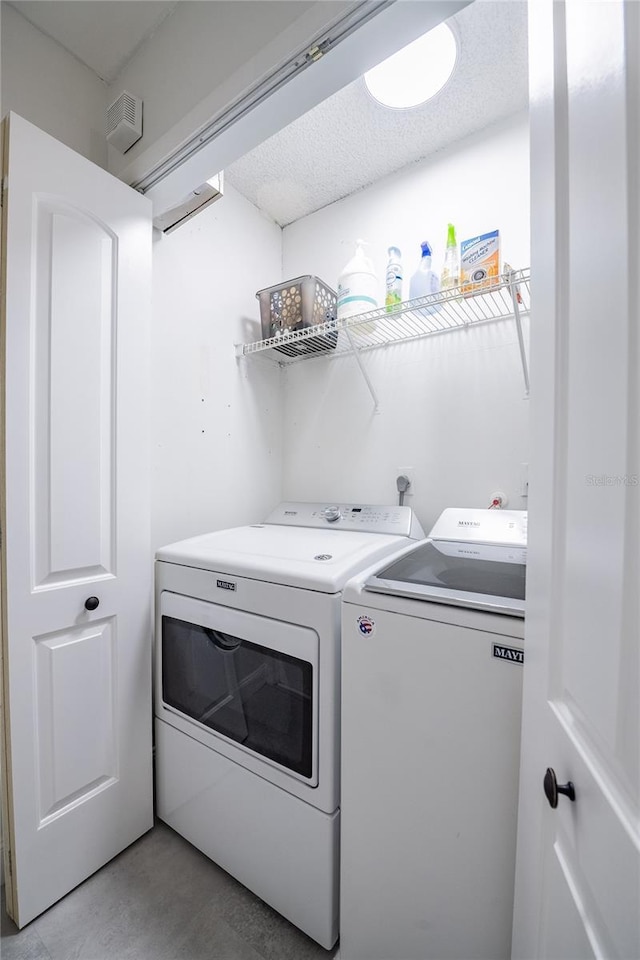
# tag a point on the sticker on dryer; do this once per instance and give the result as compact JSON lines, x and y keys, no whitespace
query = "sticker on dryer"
{"x":226,"y":585}
{"x":366,"y":626}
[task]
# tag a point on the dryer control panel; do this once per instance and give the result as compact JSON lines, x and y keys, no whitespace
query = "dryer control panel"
{"x":363,"y":517}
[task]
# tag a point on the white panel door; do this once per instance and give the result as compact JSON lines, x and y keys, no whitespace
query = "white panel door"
{"x":578,"y":868}
{"x":76,"y":672}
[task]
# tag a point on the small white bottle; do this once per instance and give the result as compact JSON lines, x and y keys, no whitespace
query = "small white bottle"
{"x":424,"y":281}
{"x":357,"y":285}
{"x":393,"y":296}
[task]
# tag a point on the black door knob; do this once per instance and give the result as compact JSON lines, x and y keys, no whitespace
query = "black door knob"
{"x":552,"y":788}
{"x":91,"y":603}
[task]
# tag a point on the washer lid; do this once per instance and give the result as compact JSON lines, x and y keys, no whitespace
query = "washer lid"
{"x":476,"y":575}
{"x":314,"y":559}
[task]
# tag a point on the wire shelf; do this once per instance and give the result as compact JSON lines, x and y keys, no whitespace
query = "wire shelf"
{"x":508,"y":296}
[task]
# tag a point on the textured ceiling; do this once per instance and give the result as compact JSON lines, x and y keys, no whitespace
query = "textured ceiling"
{"x":102,"y":34}
{"x":349,"y":141}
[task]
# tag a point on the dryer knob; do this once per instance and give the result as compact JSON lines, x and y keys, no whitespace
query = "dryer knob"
{"x":331,"y":514}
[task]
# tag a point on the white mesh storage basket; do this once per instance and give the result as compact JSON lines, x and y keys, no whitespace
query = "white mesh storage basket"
{"x":295,"y":305}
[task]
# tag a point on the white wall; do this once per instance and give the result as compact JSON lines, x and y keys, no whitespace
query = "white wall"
{"x":50,"y":88}
{"x":452,"y":406}
{"x":217,"y":422}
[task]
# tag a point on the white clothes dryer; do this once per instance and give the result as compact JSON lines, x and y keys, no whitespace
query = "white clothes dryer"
{"x":432,"y":654}
{"x":247,"y":695}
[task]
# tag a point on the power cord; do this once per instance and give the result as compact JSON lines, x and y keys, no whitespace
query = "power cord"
{"x":402,"y":483}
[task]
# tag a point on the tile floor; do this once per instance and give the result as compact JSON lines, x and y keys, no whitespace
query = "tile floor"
{"x":161,"y":899}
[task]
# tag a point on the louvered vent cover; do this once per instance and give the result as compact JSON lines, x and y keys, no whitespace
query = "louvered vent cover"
{"x":124,"y":121}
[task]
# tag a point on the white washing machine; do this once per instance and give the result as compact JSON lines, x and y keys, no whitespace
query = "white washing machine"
{"x":247,"y":695}
{"x":432,"y":654}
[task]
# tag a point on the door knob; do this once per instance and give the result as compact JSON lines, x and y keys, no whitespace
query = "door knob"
{"x":552,"y":788}
{"x":91,"y":603}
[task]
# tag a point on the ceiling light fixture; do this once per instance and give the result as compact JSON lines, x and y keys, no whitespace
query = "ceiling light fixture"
{"x":416,"y":73}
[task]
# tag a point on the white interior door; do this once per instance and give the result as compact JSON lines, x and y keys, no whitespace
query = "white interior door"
{"x":577,"y":881}
{"x":76,"y":676}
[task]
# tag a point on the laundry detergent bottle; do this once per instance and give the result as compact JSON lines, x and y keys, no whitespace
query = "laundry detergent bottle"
{"x":424,"y":281}
{"x":357,"y":285}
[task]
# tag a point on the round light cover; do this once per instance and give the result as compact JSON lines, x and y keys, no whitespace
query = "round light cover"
{"x":417,"y":72}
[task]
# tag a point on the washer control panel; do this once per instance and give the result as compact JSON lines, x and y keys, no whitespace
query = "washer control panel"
{"x":506,"y":527}
{"x":365,"y":518}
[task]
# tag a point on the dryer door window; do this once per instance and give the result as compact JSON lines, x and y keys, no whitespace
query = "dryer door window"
{"x":247,"y":679}
{"x":258,"y":697}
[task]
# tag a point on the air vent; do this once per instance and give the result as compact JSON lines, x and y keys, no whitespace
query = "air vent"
{"x":194,"y":203}
{"x":124,"y":121}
